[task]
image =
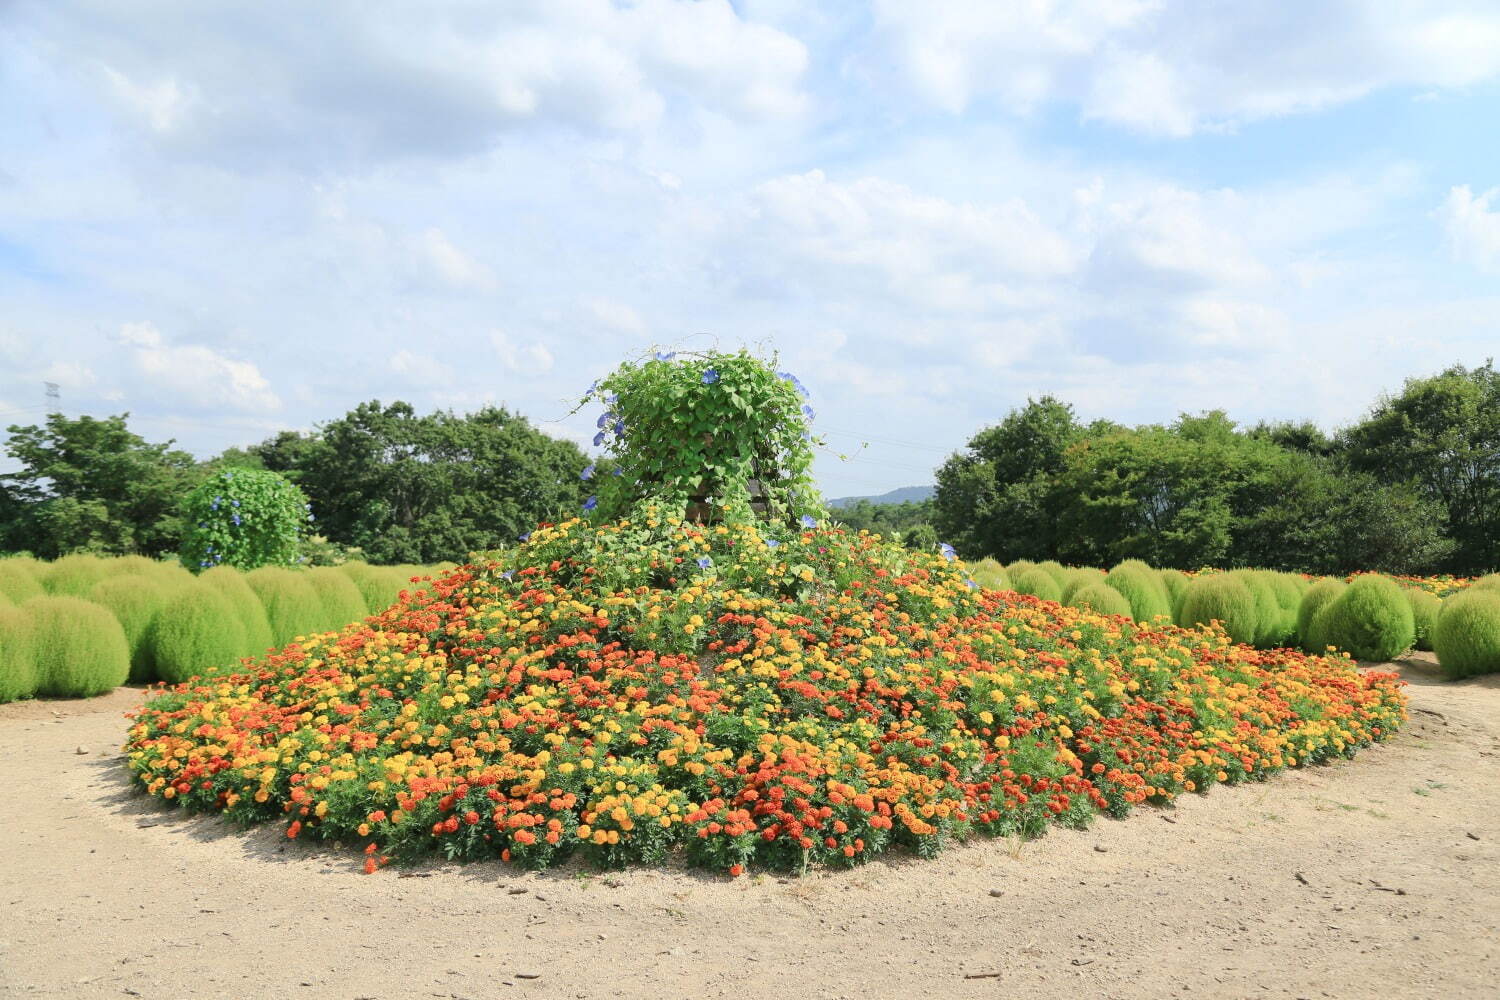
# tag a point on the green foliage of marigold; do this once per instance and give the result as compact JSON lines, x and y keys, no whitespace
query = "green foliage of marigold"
{"x":1466,"y":636}
{"x":1371,"y":619}
{"x":80,"y":648}
{"x":246,"y":518}
{"x":743,"y":694}
{"x":683,"y":425}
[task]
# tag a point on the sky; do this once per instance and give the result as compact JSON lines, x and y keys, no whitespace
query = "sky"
{"x":232,"y":219}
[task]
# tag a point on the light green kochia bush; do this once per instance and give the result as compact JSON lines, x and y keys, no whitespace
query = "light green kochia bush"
{"x":1038,"y":583}
{"x":1466,"y":636}
{"x":244,"y":518}
{"x":75,"y":575}
{"x":1223,"y":598}
{"x":196,"y":632}
{"x":1267,"y":608}
{"x":134,"y":601}
{"x":1288,"y":590}
{"x":1143,"y":589}
{"x":1015,"y":569}
{"x":1078,"y":579}
{"x":246,"y":605}
{"x":17,"y":655}
{"x":19,"y":581}
{"x":1102,"y":598}
{"x":291,"y":603}
{"x":1371,"y":619}
{"x":1318,"y":596}
{"x":81,"y":649}
{"x":1056,"y":570}
{"x":338,"y":597}
{"x":1491,"y":582}
{"x":987,"y":572}
{"x":1176,"y":582}
{"x":1424,"y":611}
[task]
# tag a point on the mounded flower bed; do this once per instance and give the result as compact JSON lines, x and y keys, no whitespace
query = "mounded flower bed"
{"x":739,"y":695}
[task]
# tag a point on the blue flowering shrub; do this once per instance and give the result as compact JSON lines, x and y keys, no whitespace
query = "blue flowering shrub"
{"x":679,"y":428}
{"x":246,"y":518}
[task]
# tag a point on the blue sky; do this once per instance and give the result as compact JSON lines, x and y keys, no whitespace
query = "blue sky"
{"x":232,"y":219}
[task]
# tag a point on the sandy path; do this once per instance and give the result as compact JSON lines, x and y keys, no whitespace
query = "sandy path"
{"x":1267,"y":890}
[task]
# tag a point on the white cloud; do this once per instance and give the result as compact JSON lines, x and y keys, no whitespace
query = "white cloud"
{"x":1174,"y":67}
{"x":1473,"y":227}
{"x":452,"y":265}
{"x":420,"y":368}
{"x":616,"y":316}
{"x":533,"y":358}
{"x":198,"y":374}
{"x":382,"y":79}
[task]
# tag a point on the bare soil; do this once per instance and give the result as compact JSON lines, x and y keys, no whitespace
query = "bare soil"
{"x":1375,"y":877}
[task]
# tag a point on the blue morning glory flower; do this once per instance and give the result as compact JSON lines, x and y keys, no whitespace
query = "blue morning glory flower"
{"x":236,"y":520}
{"x":710,"y":377}
{"x":598,"y":439}
{"x":587,"y":474}
{"x":665,"y":355}
{"x":809,"y":522}
{"x":605,"y":419}
{"x":591,"y":503}
{"x":970,"y":583}
{"x":234,"y":503}
{"x":771,"y":543}
{"x":526,"y":537}
{"x":307,"y":506}
{"x":705,"y":562}
{"x":595,"y":387}
{"x":203,"y":563}
{"x":619,"y":471}
{"x":807,"y":411}
{"x":508,"y":574}
{"x":949,"y":553}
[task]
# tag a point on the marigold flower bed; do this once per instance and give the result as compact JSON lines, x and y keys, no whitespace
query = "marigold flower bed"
{"x":736,"y":696}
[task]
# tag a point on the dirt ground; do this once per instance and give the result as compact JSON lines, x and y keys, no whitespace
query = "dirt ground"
{"x":1376,"y":877}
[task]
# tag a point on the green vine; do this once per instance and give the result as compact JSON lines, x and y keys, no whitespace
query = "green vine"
{"x":685,"y":428}
{"x":244,"y":518}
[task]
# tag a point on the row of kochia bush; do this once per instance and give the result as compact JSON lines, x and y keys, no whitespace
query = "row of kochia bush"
{"x":84,"y":625}
{"x":1371,"y":617}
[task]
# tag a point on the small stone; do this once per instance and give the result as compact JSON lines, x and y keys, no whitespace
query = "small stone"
{"x":1101,"y":848}
{"x":997,"y":893}
{"x":81,"y":750}
{"x":519,"y":891}
{"x":528,"y":975}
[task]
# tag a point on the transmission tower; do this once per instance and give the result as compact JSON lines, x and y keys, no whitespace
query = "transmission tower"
{"x":54,"y":398}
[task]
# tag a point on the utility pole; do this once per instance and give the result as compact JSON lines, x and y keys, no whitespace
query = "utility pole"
{"x":54,"y":399}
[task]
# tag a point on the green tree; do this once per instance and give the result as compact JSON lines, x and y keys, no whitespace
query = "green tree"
{"x":1441,"y":436}
{"x":88,"y":484}
{"x":411,"y":488}
{"x":995,"y":498}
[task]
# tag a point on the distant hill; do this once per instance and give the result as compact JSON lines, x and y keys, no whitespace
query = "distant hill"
{"x":906,"y":494}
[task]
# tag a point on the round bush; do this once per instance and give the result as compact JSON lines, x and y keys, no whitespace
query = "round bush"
{"x":1176,"y":582}
{"x":81,"y":649}
{"x":988,"y":573}
{"x":1038,"y":583}
{"x":1078,"y":579}
{"x":1056,"y":570}
{"x":1491,"y":582}
{"x":246,"y":605}
{"x":1288,"y":591}
{"x":1015,"y":569}
{"x":131,"y":566}
{"x":134,"y":601}
{"x":292,"y":605}
{"x":1466,"y":636}
{"x":1267,"y":608}
{"x":195,"y":633}
{"x":1225,"y":599}
{"x":338,"y":597}
{"x":1424,"y":611}
{"x":1143,"y":589}
{"x":19,"y":581}
{"x":245,"y":518}
{"x":1371,"y":619}
{"x":17,"y":655}
{"x":1102,"y":598}
{"x":74,"y":576}
{"x":1318,"y":596}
